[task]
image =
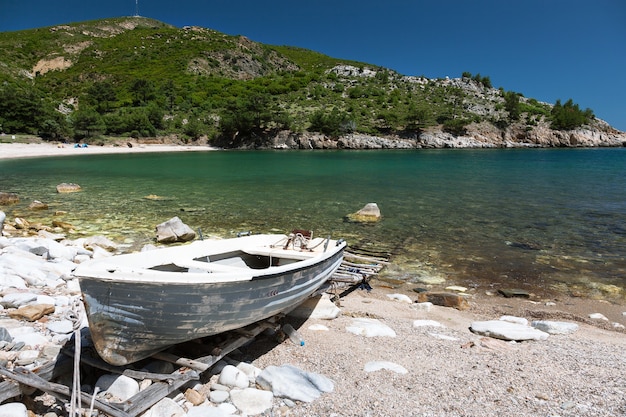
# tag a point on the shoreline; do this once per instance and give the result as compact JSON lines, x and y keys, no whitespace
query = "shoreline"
{"x":37,"y":150}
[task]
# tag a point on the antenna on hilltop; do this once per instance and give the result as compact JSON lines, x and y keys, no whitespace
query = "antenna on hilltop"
{"x":136,"y":8}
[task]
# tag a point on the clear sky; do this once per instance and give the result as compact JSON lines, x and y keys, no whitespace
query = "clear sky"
{"x":544,"y":49}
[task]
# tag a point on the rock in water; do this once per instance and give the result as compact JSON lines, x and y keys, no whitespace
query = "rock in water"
{"x":68,"y":188}
{"x":8,"y":198}
{"x":368,"y":214}
{"x":174,"y":230}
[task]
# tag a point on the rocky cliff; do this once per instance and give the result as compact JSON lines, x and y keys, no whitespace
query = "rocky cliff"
{"x":483,"y":135}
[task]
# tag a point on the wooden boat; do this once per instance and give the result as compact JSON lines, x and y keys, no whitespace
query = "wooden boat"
{"x":141,"y":303}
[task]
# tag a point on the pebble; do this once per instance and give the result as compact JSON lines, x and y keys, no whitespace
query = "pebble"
{"x":370,"y":328}
{"x":598,"y":316}
{"x":426,"y":323}
{"x":507,"y":331}
{"x":400,"y":297}
{"x":233,"y":377}
{"x":378,"y":365}
{"x":555,"y":327}
{"x":119,"y":386}
{"x":252,"y":401}
{"x":290,"y":382}
{"x":513,"y":319}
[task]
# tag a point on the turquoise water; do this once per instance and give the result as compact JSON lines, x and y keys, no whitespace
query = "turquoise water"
{"x":543,"y":219}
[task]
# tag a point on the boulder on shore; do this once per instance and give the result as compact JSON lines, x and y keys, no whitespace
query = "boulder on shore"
{"x":370,"y":213}
{"x":174,"y":230}
{"x":445,"y":299}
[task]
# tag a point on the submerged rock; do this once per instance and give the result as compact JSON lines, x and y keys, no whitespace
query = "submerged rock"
{"x":8,"y":198}
{"x":68,"y":188}
{"x":370,"y":213}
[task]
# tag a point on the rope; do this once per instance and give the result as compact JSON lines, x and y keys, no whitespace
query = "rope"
{"x":74,"y":316}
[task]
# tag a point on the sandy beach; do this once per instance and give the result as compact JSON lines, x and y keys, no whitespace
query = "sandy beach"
{"x":34,"y":150}
{"x":450,"y":371}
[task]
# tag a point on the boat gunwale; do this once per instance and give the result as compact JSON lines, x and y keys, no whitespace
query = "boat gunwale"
{"x":112,"y":272}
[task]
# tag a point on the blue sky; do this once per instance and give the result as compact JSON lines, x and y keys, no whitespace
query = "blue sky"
{"x":545,"y":49}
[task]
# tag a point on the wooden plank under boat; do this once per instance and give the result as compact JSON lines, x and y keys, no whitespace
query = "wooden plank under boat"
{"x":141,"y":303}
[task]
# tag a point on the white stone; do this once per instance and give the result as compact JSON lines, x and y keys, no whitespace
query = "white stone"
{"x":250,"y":370}
{"x":513,"y":319}
{"x":228,"y":408}
{"x":426,"y":306}
{"x":443,"y":336}
{"x":206,"y":411}
{"x":119,"y":386}
{"x":370,"y":328}
{"x":165,"y":408}
{"x":400,"y":297}
{"x":233,"y":377}
{"x":13,"y":410}
{"x":45,"y":299}
{"x":31,"y":339}
{"x":61,"y":326}
{"x":218,"y":397}
{"x":251,"y":400}
{"x":287,"y":381}
{"x":10,"y":280}
{"x":426,"y":323}
{"x":598,"y":316}
{"x":318,"y":328}
{"x":378,"y":365}
{"x":507,"y":331}
{"x":555,"y":327}
{"x":26,"y":357}
{"x":456,"y":288}
{"x":17,"y":299}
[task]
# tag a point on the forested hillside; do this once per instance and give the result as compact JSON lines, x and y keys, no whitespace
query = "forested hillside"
{"x":137,"y":77}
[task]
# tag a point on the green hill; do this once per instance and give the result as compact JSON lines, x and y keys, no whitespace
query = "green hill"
{"x":139,"y":77}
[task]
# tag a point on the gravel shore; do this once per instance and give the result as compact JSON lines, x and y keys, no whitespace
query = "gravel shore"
{"x":453,"y":372}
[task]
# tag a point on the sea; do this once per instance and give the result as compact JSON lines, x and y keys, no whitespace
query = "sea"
{"x":550,"y":221}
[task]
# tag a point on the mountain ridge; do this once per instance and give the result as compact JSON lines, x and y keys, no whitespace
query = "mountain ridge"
{"x":138,"y":77}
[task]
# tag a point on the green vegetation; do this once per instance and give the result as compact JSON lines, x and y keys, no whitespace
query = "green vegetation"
{"x":142,"y":78}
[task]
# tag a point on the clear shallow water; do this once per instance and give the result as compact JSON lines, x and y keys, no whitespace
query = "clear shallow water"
{"x":537,"y":219}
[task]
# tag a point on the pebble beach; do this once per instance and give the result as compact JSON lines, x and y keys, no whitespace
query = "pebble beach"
{"x":377,"y":353}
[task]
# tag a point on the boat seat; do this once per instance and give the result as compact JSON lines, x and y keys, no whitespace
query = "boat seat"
{"x":211,"y":266}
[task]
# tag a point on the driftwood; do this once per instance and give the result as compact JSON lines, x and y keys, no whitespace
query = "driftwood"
{"x":24,"y":376}
{"x":48,"y":371}
{"x":158,"y":390}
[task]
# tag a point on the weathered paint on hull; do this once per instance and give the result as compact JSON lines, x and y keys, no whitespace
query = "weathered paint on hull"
{"x":130,"y":321}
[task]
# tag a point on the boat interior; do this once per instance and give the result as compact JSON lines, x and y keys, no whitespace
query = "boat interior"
{"x":253,"y":257}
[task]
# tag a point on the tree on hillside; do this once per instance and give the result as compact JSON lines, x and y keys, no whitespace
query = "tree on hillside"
{"x":22,"y":109}
{"x":512,"y":105}
{"x":569,"y":116}
{"x":87,"y":122}
{"x":101,"y":95}
{"x":143,"y":90}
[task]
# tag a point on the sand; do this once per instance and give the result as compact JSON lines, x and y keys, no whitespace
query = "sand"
{"x":34,"y":150}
